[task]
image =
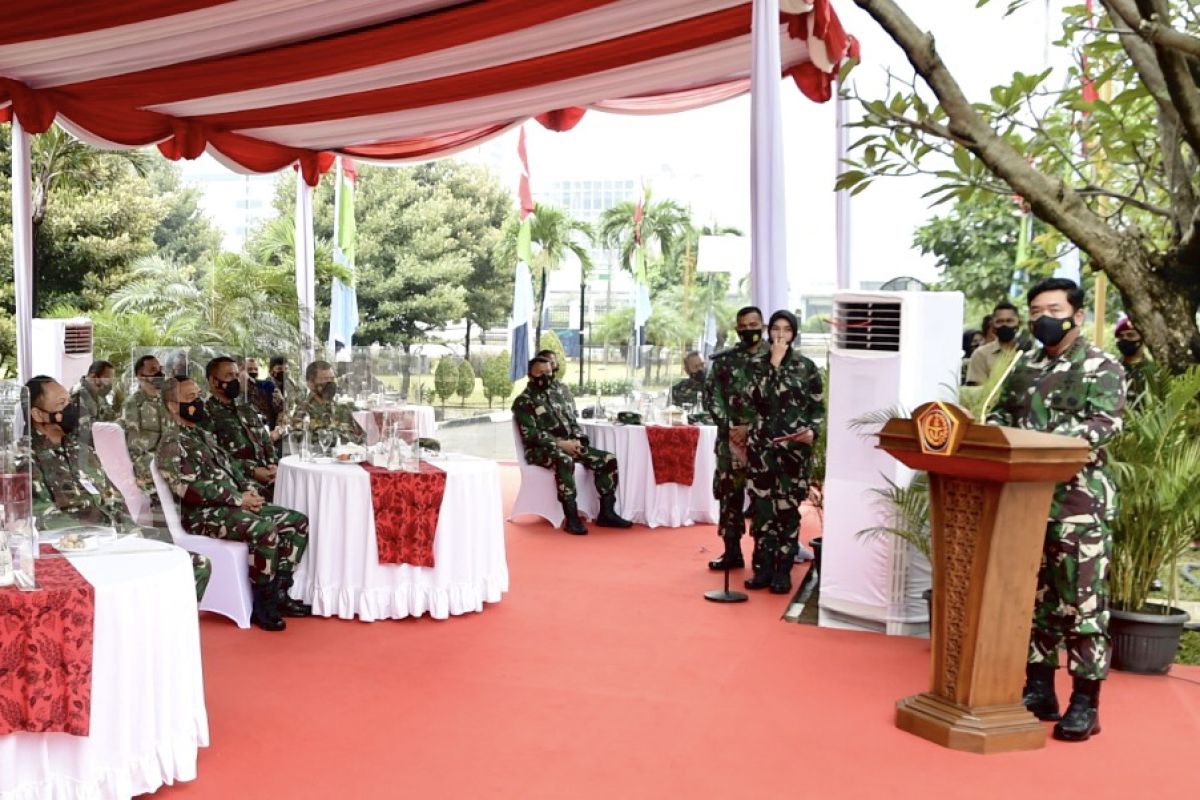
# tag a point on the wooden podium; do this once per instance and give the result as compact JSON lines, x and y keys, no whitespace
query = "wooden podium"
{"x":990,"y":491}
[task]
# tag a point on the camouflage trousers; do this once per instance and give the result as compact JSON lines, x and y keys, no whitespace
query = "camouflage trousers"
{"x":602,"y":465}
{"x":777,"y":482}
{"x":1072,"y":599}
{"x":202,"y":572}
{"x":277,"y":537}
{"x":729,"y":489}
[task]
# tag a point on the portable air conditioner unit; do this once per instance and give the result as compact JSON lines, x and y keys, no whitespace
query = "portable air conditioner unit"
{"x":62,"y":348}
{"x":890,"y":350}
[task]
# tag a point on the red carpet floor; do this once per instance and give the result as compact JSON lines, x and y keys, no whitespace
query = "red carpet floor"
{"x":604,"y":674}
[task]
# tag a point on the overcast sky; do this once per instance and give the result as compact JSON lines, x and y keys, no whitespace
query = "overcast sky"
{"x":711,"y":146}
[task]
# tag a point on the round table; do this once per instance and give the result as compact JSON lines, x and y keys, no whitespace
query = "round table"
{"x":422,"y":416}
{"x":340,"y":574}
{"x":642,"y":500}
{"x":148,"y":717}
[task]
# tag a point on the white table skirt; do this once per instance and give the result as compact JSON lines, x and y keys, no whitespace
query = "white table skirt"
{"x":423,"y":416}
{"x":340,"y":574}
{"x":642,"y":500}
{"x":148,"y":715}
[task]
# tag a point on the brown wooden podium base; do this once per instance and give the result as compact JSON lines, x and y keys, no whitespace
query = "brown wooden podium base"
{"x":996,"y":729}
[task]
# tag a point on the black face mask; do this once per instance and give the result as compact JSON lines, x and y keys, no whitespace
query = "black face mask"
{"x":540,"y":381}
{"x":253,"y":375}
{"x":1006,"y":333}
{"x":231,"y":388}
{"x":193,"y":412}
{"x":278,"y":377}
{"x":1051,"y":330}
{"x":1127,"y":347}
{"x":67,"y":419}
{"x":750,"y":338}
{"x":329,"y":391}
{"x":697,"y":376}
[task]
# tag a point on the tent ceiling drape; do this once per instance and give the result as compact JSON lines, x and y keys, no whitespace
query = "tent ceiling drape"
{"x":261,"y":84}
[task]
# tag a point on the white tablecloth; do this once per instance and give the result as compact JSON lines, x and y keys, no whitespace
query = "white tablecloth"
{"x":639,"y":498}
{"x":423,"y":416}
{"x":340,"y":574}
{"x":148,"y":715}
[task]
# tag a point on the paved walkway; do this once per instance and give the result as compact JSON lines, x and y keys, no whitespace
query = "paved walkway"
{"x":492,"y":440}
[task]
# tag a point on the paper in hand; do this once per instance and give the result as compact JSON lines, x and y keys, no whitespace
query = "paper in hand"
{"x":792,"y":437}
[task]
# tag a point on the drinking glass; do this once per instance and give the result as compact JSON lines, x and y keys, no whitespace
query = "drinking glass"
{"x":325,"y":438}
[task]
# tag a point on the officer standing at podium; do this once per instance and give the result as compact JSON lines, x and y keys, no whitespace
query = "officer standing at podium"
{"x":1070,"y":387}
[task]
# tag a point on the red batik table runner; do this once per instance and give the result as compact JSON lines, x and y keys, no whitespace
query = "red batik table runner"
{"x":407,"y":505}
{"x":46,"y":652}
{"x":673,"y":452}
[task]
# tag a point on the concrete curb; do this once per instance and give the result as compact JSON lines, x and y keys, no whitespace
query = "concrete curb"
{"x":494,"y":416}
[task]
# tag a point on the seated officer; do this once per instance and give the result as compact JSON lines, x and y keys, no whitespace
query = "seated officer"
{"x":69,"y":486}
{"x":690,"y":390}
{"x":217,"y":499}
{"x":321,"y":408}
{"x":553,"y":439}
{"x":238,"y":427}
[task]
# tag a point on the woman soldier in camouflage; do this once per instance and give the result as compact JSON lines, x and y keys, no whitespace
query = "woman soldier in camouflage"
{"x":786,"y":395}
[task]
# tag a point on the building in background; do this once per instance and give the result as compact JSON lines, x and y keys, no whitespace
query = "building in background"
{"x":235,"y":203}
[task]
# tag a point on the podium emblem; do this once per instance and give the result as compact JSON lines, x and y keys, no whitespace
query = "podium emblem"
{"x":939,"y":430}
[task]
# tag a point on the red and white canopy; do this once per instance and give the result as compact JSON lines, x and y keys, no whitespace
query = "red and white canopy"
{"x":261,"y":84}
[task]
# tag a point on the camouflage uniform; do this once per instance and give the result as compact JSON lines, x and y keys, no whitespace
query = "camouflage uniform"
{"x":726,"y":399}
{"x":786,"y":400}
{"x":93,"y":407}
{"x":145,"y":420}
{"x":264,"y":396}
{"x":241,"y":432}
{"x":1138,"y":375}
{"x":688,"y":392}
{"x":335,"y":416}
{"x":1079,"y":393}
{"x":70,"y":489}
{"x":543,"y":417}
{"x":209,"y":484}
{"x":564,"y":391}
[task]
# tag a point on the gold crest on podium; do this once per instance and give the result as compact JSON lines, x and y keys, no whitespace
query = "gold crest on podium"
{"x":940,"y":429}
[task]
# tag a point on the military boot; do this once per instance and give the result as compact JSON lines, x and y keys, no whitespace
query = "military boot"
{"x":760,"y":560}
{"x":781,"y":574}
{"x":609,"y":518}
{"x":571,"y":521}
{"x":1039,"y":696}
{"x":1082,"y":719}
{"x":265,"y":615}
{"x":732,"y":558}
{"x":286,"y":605}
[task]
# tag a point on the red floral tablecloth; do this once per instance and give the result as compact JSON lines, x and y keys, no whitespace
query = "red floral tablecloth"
{"x":46,"y":652}
{"x":407,"y":505}
{"x":673,"y":452}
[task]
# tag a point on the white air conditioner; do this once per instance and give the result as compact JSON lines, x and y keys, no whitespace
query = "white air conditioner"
{"x":62,"y":348}
{"x":890,"y":350}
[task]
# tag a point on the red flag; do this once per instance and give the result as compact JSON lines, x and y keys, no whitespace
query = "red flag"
{"x":638,"y":214}
{"x":524,"y":191}
{"x":349,"y":169}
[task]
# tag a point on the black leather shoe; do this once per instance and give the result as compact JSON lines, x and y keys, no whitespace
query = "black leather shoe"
{"x":608,"y":516}
{"x":265,"y":615}
{"x":1039,"y":697}
{"x":762,"y":570}
{"x":781,"y":576}
{"x":286,"y":605}
{"x":571,"y":521}
{"x":1082,"y":720}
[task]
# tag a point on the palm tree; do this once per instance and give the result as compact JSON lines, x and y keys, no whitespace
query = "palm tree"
{"x":554,"y":233}
{"x":662,"y":225}
{"x":60,"y":161}
{"x":680,"y":268}
{"x":231,"y":301}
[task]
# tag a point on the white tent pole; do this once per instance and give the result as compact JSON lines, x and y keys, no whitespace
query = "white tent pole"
{"x":768,"y":240}
{"x":22,"y":222}
{"x":842,"y":201}
{"x":305,"y":266}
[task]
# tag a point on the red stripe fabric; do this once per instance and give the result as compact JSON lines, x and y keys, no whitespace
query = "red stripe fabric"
{"x":30,"y":20}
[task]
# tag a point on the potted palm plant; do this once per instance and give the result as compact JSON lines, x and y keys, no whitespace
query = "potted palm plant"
{"x":1156,"y":467}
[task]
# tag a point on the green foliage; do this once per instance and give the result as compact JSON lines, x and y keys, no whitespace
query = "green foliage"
{"x":496,"y":383}
{"x":1189,"y":648}
{"x":819,"y":449}
{"x":609,"y":388}
{"x":664,"y":225}
{"x":550,"y":341}
{"x":445,"y":379}
{"x":1156,"y":465}
{"x":909,"y":508}
{"x":466,"y":380}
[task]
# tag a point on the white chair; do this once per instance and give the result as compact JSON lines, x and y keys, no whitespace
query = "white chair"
{"x":228,"y":591}
{"x":539,"y":496}
{"x":108,"y":439}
